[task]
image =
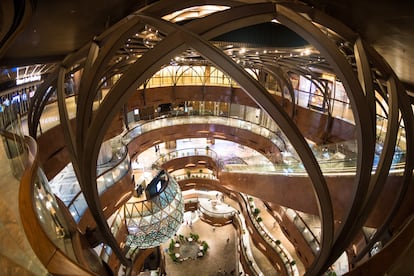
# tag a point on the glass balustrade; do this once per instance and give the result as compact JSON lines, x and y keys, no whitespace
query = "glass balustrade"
{"x":113,"y":175}
{"x":246,"y":249}
{"x":337,"y":158}
{"x":274,"y":135}
{"x":268,"y":237}
{"x":66,"y":187}
{"x":303,"y":229}
{"x":78,"y":206}
{"x":192,"y":175}
{"x":185,"y":153}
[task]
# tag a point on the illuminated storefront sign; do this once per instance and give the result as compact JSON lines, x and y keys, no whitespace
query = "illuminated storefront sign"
{"x":28,"y":79}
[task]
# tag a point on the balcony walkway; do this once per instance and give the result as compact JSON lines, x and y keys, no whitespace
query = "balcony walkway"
{"x":16,"y":254}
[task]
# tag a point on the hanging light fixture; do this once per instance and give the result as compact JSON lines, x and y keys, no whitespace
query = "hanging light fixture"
{"x":150,"y":36}
{"x":155,"y":216}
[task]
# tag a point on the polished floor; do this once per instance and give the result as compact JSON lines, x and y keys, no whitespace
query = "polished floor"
{"x":16,"y":254}
{"x":220,"y":258}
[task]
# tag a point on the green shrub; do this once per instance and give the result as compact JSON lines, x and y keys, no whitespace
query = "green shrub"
{"x":171,"y":247}
{"x":173,"y":257}
{"x":205,"y":246}
{"x":195,"y":237}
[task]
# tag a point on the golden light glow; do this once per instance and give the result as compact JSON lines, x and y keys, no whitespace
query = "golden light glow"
{"x":193,"y":12}
{"x":329,"y":77}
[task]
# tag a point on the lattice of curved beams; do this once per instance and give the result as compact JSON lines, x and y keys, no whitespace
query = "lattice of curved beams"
{"x":401,"y":105}
{"x":143,"y":71}
{"x":284,"y":79}
{"x":38,"y":103}
{"x":162,"y":53}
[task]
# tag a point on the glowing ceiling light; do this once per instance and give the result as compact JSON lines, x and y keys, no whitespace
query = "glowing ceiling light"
{"x":193,"y":12}
{"x":306,"y":52}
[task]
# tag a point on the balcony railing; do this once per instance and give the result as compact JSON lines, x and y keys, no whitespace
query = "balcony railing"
{"x":284,"y":255}
{"x":303,"y":228}
{"x":337,"y":158}
{"x":185,"y":153}
{"x":106,"y":179}
{"x":44,"y":221}
{"x":273,"y":135}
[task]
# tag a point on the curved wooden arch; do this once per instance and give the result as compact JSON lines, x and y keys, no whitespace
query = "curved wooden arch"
{"x":161,"y":54}
{"x":196,"y":34}
{"x":52,"y":257}
{"x":183,"y":72}
{"x":315,"y":80}
{"x":281,"y":75}
{"x":38,"y":103}
{"x":408,"y":117}
{"x":41,"y":96}
{"x":260,"y":95}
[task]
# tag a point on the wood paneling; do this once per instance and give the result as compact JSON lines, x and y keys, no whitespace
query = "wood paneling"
{"x":311,"y":123}
{"x":296,"y":192}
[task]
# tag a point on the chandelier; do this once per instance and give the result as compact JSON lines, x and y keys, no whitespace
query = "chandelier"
{"x":154,"y":216}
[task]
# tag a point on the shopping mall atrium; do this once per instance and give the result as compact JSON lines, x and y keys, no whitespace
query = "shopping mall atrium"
{"x":206,"y":137}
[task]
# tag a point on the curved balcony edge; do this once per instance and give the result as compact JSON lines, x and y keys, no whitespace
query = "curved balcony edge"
{"x":53,"y":258}
{"x":394,"y":259}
